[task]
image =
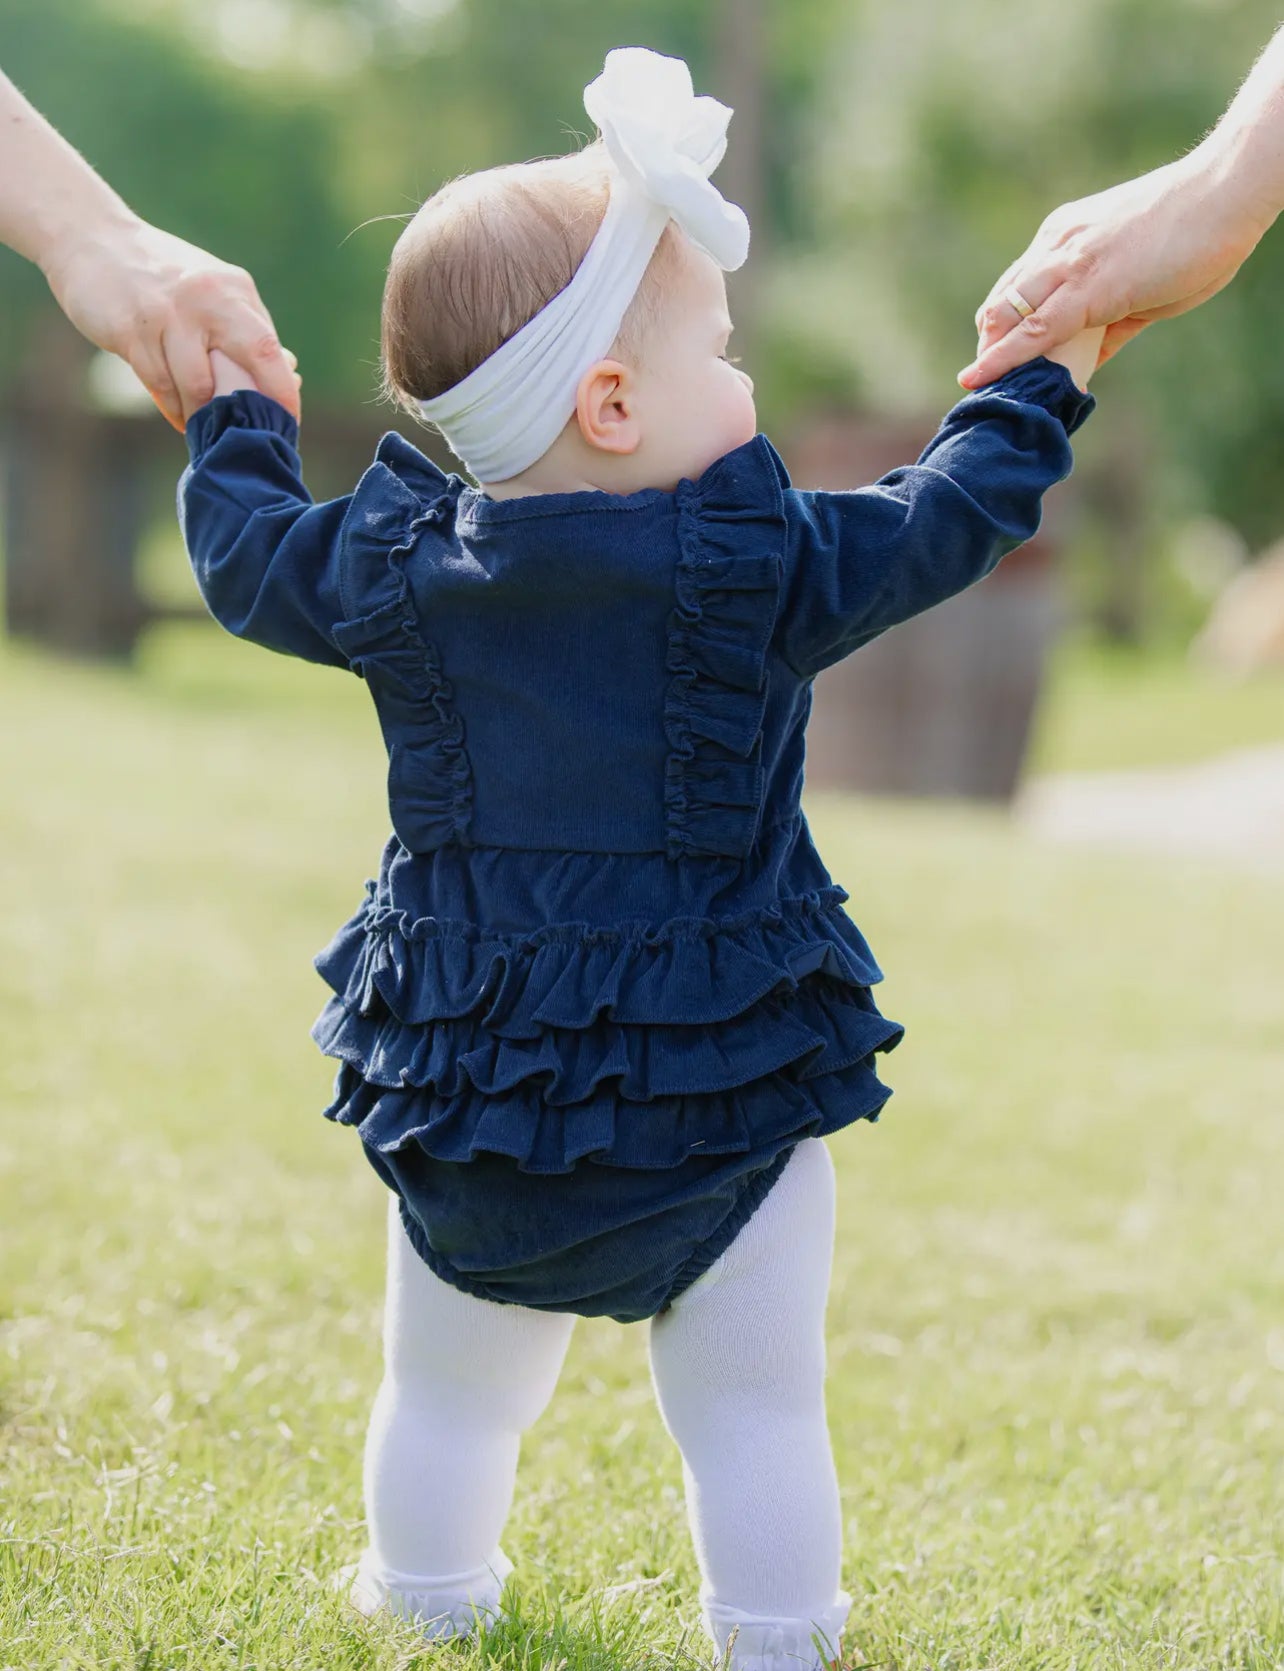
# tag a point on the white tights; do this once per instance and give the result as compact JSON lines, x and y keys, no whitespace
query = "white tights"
{"x":738,"y":1365}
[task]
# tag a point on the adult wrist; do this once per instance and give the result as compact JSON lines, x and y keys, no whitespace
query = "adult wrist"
{"x":89,"y":224}
{"x":1239,"y":173}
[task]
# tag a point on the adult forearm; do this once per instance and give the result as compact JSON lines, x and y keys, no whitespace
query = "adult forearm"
{"x":50,"y":198}
{"x":1149,"y":248}
{"x":158,"y":302}
{"x":1246,"y":149}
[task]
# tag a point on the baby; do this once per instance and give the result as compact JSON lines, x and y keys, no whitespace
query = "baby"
{"x":603,"y":1003}
{"x":487,"y":253}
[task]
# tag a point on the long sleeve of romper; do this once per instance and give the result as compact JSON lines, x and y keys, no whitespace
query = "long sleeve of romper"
{"x":267,"y":559}
{"x":859,"y":562}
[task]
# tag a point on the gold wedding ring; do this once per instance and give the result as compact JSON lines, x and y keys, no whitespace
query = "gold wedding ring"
{"x":1013,"y":297}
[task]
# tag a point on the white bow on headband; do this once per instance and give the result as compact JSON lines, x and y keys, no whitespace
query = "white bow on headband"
{"x":662,"y":144}
{"x":667,"y":142}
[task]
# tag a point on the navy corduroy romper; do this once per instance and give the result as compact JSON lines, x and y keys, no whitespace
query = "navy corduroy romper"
{"x":603,"y":983}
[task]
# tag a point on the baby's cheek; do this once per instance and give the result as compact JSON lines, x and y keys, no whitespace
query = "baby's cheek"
{"x":744,"y":417}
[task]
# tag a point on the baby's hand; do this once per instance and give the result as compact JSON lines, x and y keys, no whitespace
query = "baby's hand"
{"x":1080,"y":355}
{"x":229,"y":377}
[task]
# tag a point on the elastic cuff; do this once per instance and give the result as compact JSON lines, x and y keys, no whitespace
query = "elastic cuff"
{"x":1043,"y":382}
{"x":442,"y":1607}
{"x":711,"y":1250}
{"x":246,"y":409}
{"x":763,"y":1643}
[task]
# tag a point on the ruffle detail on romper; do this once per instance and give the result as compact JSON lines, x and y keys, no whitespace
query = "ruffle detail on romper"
{"x":824,"y":1027}
{"x":662,"y":1133}
{"x":637,"y":1048}
{"x":731,"y":533}
{"x":688,"y":972}
{"x":429,"y":775}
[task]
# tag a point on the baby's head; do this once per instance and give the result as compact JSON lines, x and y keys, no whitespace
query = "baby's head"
{"x":485,"y":254}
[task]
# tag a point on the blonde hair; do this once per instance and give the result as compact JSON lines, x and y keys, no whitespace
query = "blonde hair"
{"x":480,"y":259}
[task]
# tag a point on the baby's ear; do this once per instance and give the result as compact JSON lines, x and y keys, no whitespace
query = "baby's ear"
{"x":605,"y":408}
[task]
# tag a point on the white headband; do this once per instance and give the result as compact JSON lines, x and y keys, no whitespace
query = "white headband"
{"x":662,"y":144}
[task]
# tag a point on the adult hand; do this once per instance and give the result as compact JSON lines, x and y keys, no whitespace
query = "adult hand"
{"x":163,"y":304}
{"x":1148,"y":249}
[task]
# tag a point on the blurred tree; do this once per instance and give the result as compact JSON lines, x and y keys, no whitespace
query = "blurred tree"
{"x":291,"y":135}
{"x":942,"y":136}
{"x":909,"y":153}
{"x":195,"y":149}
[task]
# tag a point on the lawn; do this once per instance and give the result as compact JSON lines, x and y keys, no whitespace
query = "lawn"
{"x":1057,"y":1323}
{"x":1109,"y":709}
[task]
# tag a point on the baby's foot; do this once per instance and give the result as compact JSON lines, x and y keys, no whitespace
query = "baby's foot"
{"x":441,"y":1607}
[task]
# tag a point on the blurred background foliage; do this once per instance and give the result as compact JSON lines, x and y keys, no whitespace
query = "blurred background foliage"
{"x":908,"y":152}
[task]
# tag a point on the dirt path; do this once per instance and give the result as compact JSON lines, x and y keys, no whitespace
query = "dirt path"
{"x":1231,"y":807}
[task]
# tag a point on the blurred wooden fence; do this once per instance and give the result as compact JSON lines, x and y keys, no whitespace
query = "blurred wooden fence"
{"x":82,"y":486}
{"x":943,"y":705}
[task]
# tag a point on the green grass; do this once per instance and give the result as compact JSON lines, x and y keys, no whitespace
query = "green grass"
{"x":1110,"y":709}
{"x":1057,"y":1323}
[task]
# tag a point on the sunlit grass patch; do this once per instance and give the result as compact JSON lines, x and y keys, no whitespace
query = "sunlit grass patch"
{"x":1057,"y":1322}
